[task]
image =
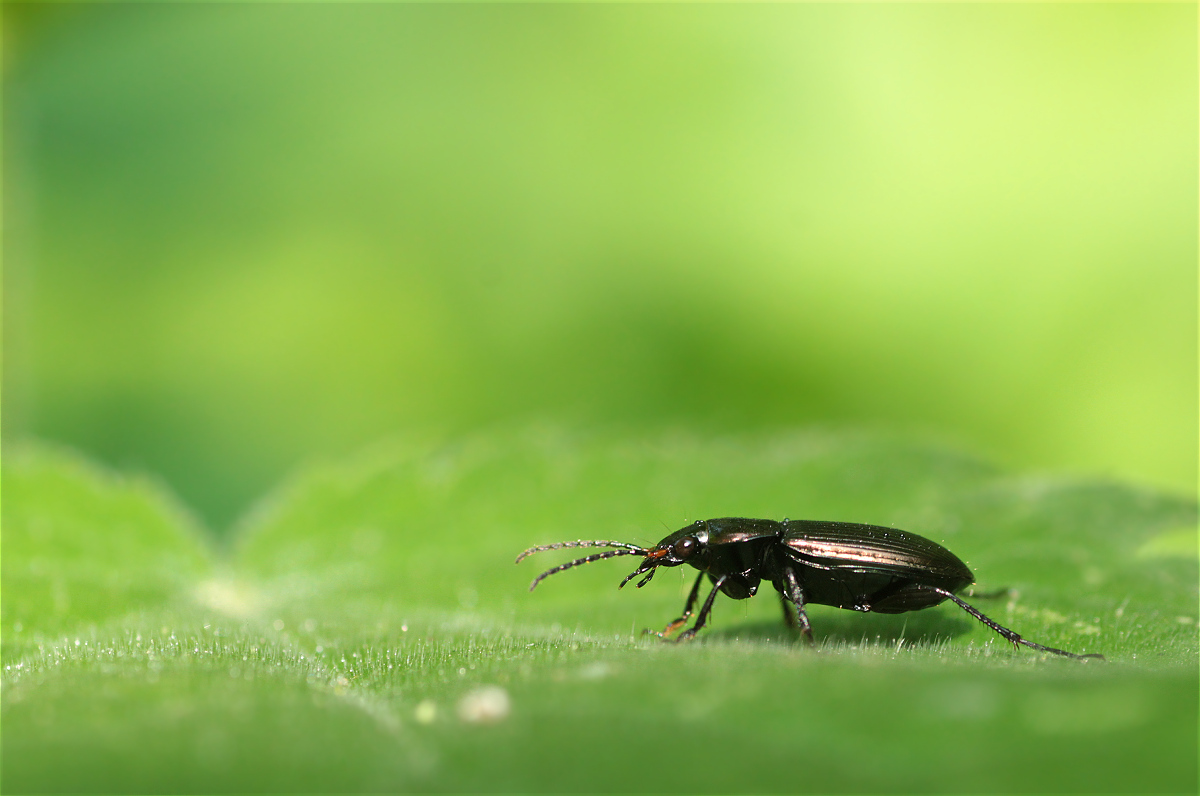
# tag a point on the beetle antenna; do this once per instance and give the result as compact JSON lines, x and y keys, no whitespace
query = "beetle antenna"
{"x":636,"y":551}
{"x":581,"y":543}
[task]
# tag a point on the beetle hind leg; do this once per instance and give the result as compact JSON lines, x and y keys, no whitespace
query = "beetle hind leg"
{"x":1009,"y":635}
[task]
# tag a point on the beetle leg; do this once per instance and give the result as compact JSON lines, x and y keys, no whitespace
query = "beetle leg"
{"x":796,"y":594}
{"x":788,"y":617}
{"x":705,"y":610}
{"x":1009,"y":635}
{"x":687,"y":610}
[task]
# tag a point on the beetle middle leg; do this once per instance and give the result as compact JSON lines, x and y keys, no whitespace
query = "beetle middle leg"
{"x":789,"y":618}
{"x":795,"y":593}
{"x":675,"y":624}
{"x":705,"y":610}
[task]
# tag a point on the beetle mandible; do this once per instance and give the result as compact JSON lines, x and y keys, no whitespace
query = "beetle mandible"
{"x":843,"y":564}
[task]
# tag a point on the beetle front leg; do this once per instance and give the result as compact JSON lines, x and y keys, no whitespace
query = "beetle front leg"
{"x":687,"y":611}
{"x":796,"y":594}
{"x":705,"y":610}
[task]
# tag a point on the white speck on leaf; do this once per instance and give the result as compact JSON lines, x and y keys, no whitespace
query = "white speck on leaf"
{"x":487,"y":705}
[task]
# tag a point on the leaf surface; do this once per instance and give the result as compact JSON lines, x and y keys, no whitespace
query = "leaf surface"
{"x":369,"y":631}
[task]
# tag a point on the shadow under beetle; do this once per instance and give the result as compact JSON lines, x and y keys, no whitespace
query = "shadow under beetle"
{"x":843,"y":564}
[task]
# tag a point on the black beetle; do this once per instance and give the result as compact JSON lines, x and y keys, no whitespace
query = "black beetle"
{"x":843,"y":564}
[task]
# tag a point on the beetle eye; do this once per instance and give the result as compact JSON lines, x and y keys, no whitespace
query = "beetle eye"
{"x":684,"y":547}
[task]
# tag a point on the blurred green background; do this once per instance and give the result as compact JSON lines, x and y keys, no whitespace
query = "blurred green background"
{"x":426,"y":284}
{"x":237,"y":236}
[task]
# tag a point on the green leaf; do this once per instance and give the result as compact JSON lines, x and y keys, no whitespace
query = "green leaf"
{"x":84,"y":546}
{"x":369,"y":630}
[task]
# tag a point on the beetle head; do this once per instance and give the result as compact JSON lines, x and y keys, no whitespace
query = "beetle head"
{"x":680,"y":547}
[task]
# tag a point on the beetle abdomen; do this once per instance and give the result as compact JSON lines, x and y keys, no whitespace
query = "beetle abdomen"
{"x":909,"y":598}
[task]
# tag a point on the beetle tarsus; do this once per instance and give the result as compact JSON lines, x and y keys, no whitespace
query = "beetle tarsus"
{"x":671,"y":627}
{"x":679,"y":622}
